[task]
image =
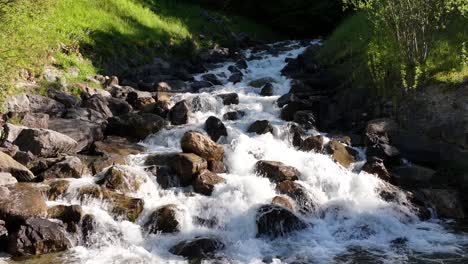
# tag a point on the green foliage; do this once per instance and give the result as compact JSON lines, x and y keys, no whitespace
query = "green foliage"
{"x":414,"y":26}
{"x":105,"y":36}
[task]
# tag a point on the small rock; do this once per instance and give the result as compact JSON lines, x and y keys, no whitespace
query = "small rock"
{"x":88,"y":225}
{"x":276,"y":171}
{"x":276,"y":221}
{"x":267,"y":90}
{"x":83,"y":132}
{"x":178,"y":115}
{"x":446,"y":202}
{"x":215,"y":128}
{"x":140,"y":100}
{"x":229,"y":99}
{"x":234,"y":115}
{"x":379,"y":130}
{"x":389,"y":154}
{"x":313,"y":143}
{"x":163,"y":220}
{"x":57,"y":189}
{"x":286,"y":99}
{"x":187,"y":166}
{"x":242,"y":64}
{"x":236,"y":77}
{"x":197,"y":85}
{"x":340,"y":153}
{"x":197,"y":248}
{"x":205,"y":182}
{"x":413,"y":175}
{"x":99,"y":104}
{"x":201,"y":145}
{"x":113,"y":145}
{"x":283,"y":201}
{"x":260,"y":127}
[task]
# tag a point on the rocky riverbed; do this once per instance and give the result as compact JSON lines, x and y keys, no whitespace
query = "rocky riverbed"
{"x":238,"y":158}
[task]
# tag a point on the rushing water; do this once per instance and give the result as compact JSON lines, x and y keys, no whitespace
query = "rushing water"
{"x":351,"y":225}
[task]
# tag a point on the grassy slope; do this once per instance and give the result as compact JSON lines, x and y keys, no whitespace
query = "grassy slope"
{"x":104,"y":35}
{"x":368,"y":60}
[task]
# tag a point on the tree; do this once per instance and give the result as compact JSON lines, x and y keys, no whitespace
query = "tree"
{"x":413,"y":25}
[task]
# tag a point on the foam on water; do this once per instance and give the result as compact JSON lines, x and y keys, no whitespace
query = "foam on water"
{"x":350,"y":214}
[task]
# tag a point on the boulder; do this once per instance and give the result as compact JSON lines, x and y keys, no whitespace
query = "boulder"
{"x":15,"y":169}
{"x":446,"y":202}
{"x":378,"y":131}
{"x":205,"y":182}
{"x":88,"y":226}
{"x":163,"y":220}
{"x":215,"y":128}
{"x":297,"y":133}
{"x":267,"y":90}
{"x":313,"y":143}
{"x":389,"y":154}
{"x":229,"y":98}
{"x":34,"y":103}
{"x":118,"y":106}
{"x":57,"y":189}
{"x":121,"y":206}
{"x":38,"y":236}
{"x":286,"y":99}
{"x":66,"y":213}
{"x":178,"y":115}
{"x":45,"y":143}
{"x":216,"y":166}
{"x":260,"y":127}
{"x":259,"y":83}
{"x":212,"y":79}
{"x":340,"y":153}
{"x":235,"y":115}
{"x":136,"y":126}
{"x":68,"y":100}
{"x":197,"y":248}
{"x":197,"y":85}
{"x":119,"y":179}
{"x":305,"y":118}
{"x":289,"y":111}
{"x":71,"y":167}
{"x":276,"y":171}
{"x":99,"y":104}
{"x":187,"y":166}
{"x":236,"y":77}
{"x":20,"y":202}
{"x":83,"y":132}
{"x":283,"y":201}
{"x":85,"y":114}
{"x":114,"y":145}
{"x":35,"y":120}
{"x":276,"y":221}
{"x":413,"y":175}
{"x":201,"y":145}
{"x":377,"y":167}
{"x":242,"y":64}
{"x":299,"y":194}
{"x":10,"y":133}
{"x":7,"y":179}
{"x":140,"y":100}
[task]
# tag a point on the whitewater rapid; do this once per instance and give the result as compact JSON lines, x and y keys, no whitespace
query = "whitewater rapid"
{"x":351,"y":219}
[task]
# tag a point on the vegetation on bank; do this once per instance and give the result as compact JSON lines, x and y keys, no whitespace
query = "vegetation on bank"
{"x":395,"y":53}
{"x":105,"y":36}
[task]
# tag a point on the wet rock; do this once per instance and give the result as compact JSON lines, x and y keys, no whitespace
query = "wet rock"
{"x":267,"y":90}
{"x":378,"y":131}
{"x":260,"y":127}
{"x":159,"y":159}
{"x":212,"y":79}
{"x":163,"y":220}
{"x":66,"y":213}
{"x":133,"y":125}
{"x":20,"y":172}
{"x":242,"y":64}
{"x":236,"y":77}
{"x":305,"y":118}
{"x":178,"y":115}
{"x":389,"y":154}
{"x":276,"y":221}
{"x":7,"y":179}
{"x":216,"y":166}
{"x":57,"y":189}
{"x":83,"y":132}
{"x":20,"y":202}
{"x":197,"y":85}
{"x":340,"y":153}
{"x":286,"y":99}
{"x":296,"y":132}
{"x":259,"y":83}
{"x":283,"y":201}
{"x":276,"y":171}
{"x":38,"y":236}
{"x":215,"y":128}
{"x":299,"y":194}
{"x":229,"y":98}
{"x":413,"y":175}
{"x":113,"y":145}
{"x":88,"y":226}
{"x":205,"y":182}
{"x":203,"y":103}
{"x":71,"y":167}
{"x":121,"y":206}
{"x":201,"y":145}
{"x":376,"y":166}
{"x":197,"y":248}
{"x":119,"y":179}
{"x":289,"y":111}
{"x":3,"y":233}
{"x":186,"y":166}
{"x":45,"y":143}
{"x":35,"y":120}
{"x":164,"y":176}
{"x":313,"y":143}
{"x":446,"y":202}
{"x":236,"y":115}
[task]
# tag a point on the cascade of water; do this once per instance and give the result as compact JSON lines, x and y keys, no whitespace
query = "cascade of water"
{"x":349,"y":215}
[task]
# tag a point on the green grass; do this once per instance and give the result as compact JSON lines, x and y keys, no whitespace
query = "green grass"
{"x":368,"y":59}
{"x":105,"y":36}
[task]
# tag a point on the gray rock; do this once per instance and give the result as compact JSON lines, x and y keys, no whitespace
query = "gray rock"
{"x":35,"y":120}
{"x":18,"y":171}
{"x":7,"y":179}
{"x":20,"y":202}
{"x":45,"y":143}
{"x":187,"y":166}
{"x":71,"y":167}
{"x":85,"y":133}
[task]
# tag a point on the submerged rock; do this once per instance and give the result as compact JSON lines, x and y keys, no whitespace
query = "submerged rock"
{"x":201,"y":145}
{"x":229,"y":99}
{"x":236,"y":115}
{"x":276,"y":171}
{"x":163,"y":220}
{"x":260,"y":127}
{"x":259,"y":83}
{"x":298,"y":193}
{"x":276,"y":221}
{"x":267,"y":90}
{"x":197,"y":248}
